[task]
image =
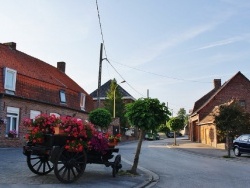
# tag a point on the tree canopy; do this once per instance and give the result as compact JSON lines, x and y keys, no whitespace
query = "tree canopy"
{"x":146,"y":114}
{"x":231,"y":120}
{"x":100,"y":117}
{"x":183,"y":115}
{"x":176,"y":124}
{"x":119,"y":105}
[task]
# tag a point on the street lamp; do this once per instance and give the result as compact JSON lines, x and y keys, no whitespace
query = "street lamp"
{"x":114,"y":97}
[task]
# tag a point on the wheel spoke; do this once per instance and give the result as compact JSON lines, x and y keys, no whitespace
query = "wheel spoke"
{"x":44,"y":166}
{"x":73,"y":172}
{"x":68,"y":174}
{"x":36,"y":163}
{"x":39,"y":166}
{"x":48,"y":164}
{"x":64,"y":172}
{"x":63,"y":167}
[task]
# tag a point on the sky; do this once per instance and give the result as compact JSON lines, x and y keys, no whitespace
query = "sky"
{"x":166,"y":49}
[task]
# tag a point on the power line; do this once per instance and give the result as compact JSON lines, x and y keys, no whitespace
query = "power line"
{"x":99,"y":18}
{"x":156,"y":74}
{"x":124,"y":79}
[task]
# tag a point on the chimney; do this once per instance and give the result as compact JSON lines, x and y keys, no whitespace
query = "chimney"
{"x":217,"y":83}
{"x":61,"y":66}
{"x":12,"y":45}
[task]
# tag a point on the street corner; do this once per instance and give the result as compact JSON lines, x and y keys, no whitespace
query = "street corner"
{"x":147,"y":178}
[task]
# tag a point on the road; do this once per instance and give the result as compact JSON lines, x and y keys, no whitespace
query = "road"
{"x":184,"y":169}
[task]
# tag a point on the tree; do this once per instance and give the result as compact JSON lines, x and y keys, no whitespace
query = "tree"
{"x":119,"y":105}
{"x":164,"y":128}
{"x":146,"y":114}
{"x":183,"y":115}
{"x":176,"y":124}
{"x":231,"y":120}
{"x":100,"y":117}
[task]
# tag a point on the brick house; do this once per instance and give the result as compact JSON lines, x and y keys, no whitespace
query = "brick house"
{"x":126,"y":97}
{"x":201,"y":126}
{"x":29,"y":87}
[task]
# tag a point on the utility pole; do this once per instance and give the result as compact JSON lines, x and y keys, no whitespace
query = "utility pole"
{"x":99,"y":78}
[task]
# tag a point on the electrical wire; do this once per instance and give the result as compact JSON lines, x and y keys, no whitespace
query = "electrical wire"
{"x":99,"y":18}
{"x":124,"y":79}
{"x":156,"y":74}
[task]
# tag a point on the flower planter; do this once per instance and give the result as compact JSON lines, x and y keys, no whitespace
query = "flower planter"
{"x":11,"y":135}
{"x":59,"y":131}
{"x":112,"y":144}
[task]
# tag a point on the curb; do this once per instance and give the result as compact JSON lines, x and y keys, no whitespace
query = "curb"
{"x":153,"y":178}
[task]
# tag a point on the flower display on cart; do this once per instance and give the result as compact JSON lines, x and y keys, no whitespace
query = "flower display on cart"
{"x":113,"y":139}
{"x":82,"y":135}
{"x":77,"y":128}
{"x":98,"y":142}
{"x":42,"y":124}
{"x":35,"y":136}
{"x":76,"y":145}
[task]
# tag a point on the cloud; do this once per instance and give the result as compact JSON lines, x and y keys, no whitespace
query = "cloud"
{"x":153,"y":51}
{"x":222,"y":42}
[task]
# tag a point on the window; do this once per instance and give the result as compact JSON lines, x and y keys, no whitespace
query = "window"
{"x":62,"y":96}
{"x":55,"y":114}
{"x":34,"y":114}
{"x":10,"y":79}
{"x":12,"y":120}
{"x":244,"y":138}
{"x":242,"y":103}
{"x":82,"y":101}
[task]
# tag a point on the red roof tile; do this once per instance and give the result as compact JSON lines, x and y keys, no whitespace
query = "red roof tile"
{"x":39,"y":80}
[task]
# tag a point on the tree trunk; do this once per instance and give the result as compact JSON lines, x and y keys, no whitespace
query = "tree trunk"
{"x":174,"y":138}
{"x":137,"y":154}
{"x":228,"y":146}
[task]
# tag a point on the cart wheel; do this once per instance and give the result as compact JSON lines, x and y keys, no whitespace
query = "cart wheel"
{"x":116,"y":165}
{"x":39,"y":164}
{"x":69,"y":166}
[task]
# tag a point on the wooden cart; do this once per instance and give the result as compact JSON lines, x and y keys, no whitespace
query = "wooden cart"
{"x":68,"y":166}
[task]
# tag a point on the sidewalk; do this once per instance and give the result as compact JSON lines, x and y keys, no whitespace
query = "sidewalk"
{"x":198,"y":148}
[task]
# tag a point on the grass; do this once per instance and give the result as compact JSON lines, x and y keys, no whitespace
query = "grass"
{"x":126,"y":173}
{"x":226,"y":156}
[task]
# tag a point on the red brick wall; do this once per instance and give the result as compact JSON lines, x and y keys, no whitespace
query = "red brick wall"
{"x":238,"y":88}
{"x":25,"y":107}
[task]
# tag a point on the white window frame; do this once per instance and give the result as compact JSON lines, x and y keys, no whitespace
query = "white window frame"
{"x":10,"y":79}
{"x":55,"y":114}
{"x":12,"y":113}
{"x":34,"y":114}
{"x":82,"y":101}
{"x":62,"y":96}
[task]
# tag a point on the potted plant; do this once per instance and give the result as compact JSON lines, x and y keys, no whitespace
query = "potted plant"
{"x":12,"y":133}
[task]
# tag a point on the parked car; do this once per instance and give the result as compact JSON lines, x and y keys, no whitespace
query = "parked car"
{"x":241,"y":145}
{"x":171,"y":134}
{"x":152,"y":136}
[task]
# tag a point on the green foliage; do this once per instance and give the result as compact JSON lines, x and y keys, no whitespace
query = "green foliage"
{"x":182,"y":115}
{"x":232,"y":120}
{"x":119,"y":105}
{"x":147,"y":114}
{"x":164,"y":128}
{"x":176,"y":124}
{"x":100,"y":117}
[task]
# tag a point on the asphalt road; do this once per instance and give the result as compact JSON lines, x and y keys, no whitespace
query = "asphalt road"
{"x":167,"y":166}
{"x":14,"y":172}
{"x":181,"y":168}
